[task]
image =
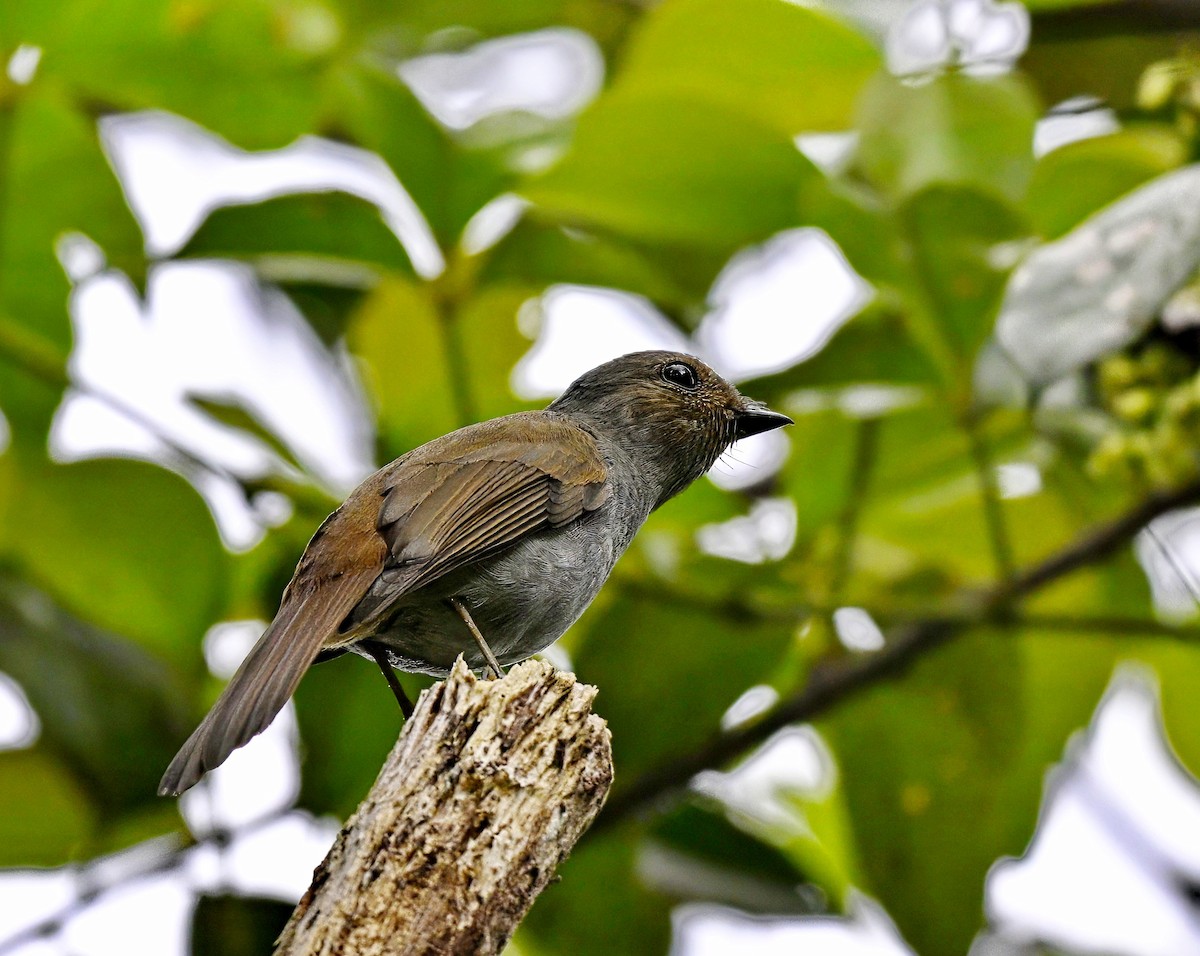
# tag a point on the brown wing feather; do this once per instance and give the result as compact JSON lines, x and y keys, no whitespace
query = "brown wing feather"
{"x":476,"y":491}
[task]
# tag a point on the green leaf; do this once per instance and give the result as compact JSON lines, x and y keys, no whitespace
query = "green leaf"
{"x":1067,"y":62}
{"x":112,"y":714}
{"x":923,"y":520}
{"x":675,"y":169}
{"x":539,"y":254}
{"x":230,"y":411}
{"x":349,"y":721}
{"x":955,"y":130}
{"x":327,"y":308}
{"x":1099,"y":287}
{"x":399,"y":319}
{"x":415,"y":19}
{"x":47,"y":819}
{"x":237,"y":925}
{"x":25,"y":20}
{"x":1178,"y":667}
{"x":57,"y":182}
{"x":923,"y":761}
{"x":796,"y":68}
{"x":690,"y":668}
{"x":456,"y":357}
{"x":819,"y":470}
{"x":599,"y":905}
{"x":1038,"y":5}
{"x":871,"y":348}
{"x":330,"y":231}
{"x":1074,"y":181}
{"x":125,"y":545}
{"x":823,"y":847}
{"x":957,"y":237}
{"x":717,"y":862}
{"x":246,"y":69}
{"x":447,"y":178}
{"x":865,"y":231}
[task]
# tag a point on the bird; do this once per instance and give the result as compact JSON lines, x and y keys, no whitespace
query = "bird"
{"x":488,"y":542}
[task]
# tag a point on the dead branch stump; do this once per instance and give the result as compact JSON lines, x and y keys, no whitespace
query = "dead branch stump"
{"x":486,"y":791}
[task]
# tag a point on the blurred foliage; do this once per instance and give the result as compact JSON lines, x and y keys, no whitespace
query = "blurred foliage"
{"x":1083,"y":366}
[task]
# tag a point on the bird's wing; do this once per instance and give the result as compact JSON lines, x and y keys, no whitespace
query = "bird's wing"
{"x":477,"y":491}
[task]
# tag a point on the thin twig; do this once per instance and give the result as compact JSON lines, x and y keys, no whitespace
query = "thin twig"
{"x":457,"y":371}
{"x":7,"y":113}
{"x":1059,"y":623}
{"x":830,"y":685}
{"x":170,"y":859}
{"x":866,"y":446}
{"x":993,"y":510}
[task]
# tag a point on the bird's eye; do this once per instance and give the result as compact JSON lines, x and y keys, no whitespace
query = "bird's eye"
{"x":679,"y":374}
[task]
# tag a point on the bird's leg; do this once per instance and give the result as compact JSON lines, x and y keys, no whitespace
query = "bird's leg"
{"x":389,"y":675}
{"x":475,"y":633}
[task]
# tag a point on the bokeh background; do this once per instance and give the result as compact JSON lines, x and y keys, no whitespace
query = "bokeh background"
{"x":917,"y":674}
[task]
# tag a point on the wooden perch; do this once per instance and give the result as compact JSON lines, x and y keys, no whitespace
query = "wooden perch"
{"x":486,"y":791}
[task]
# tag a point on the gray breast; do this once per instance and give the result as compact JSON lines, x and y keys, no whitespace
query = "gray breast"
{"x":522,"y":599}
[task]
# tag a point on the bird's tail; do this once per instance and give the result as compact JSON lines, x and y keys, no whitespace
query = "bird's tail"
{"x":262,"y":685}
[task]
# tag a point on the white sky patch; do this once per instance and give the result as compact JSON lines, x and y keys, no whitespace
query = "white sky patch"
{"x":980,"y":35}
{"x":751,"y":460}
{"x":209,"y":329}
{"x":175,"y":172}
{"x":857,"y":630}
{"x":551,"y":73}
{"x":854,"y":401}
{"x":775,"y":303}
{"x":1068,"y":126}
{"x":706,"y":930}
{"x":795,"y":760}
{"x":79,"y":256}
{"x":153,"y":913}
{"x":22,"y":65}
{"x":257,"y":779}
{"x":1167,"y":550}
{"x":829,"y":152}
{"x":31,"y":896}
{"x":19,"y":724}
{"x":227,"y":644}
{"x":767,"y":533}
{"x":1018,"y":479}
{"x":278,"y":860}
{"x":582,"y":327}
{"x":492,"y":222}
{"x":1099,"y":875}
{"x":755,"y":701}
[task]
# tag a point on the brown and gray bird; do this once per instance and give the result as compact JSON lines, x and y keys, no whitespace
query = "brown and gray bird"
{"x":487,"y":542}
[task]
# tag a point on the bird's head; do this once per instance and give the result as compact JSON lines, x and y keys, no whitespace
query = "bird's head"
{"x":671,"y":413}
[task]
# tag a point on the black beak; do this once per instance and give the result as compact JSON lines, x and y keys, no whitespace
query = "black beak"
{"x":754,"y":418}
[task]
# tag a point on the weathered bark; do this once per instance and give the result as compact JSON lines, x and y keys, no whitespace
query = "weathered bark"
{"x":486,"y":791}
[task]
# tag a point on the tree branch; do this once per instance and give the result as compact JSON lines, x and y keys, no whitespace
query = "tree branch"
{"x":831,"y":684}
{"x":487,"y":790}
{"x":1121,"y":18}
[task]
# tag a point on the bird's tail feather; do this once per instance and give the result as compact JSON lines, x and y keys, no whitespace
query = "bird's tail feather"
{"x":267,"y":678}
{"x":262,"y":685}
